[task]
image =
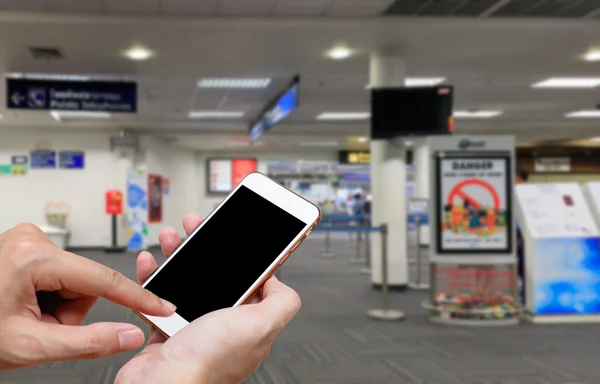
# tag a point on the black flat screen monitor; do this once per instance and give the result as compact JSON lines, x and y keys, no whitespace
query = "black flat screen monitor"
{"x":414,"y":111}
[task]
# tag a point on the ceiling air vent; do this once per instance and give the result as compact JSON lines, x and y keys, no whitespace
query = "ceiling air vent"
{"x":46,"y":53}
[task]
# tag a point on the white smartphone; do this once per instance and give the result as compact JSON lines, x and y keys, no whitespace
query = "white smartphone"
{"x":235,"y":250}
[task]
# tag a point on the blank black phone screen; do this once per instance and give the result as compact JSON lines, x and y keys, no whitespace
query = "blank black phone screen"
{"x":226,"y":256}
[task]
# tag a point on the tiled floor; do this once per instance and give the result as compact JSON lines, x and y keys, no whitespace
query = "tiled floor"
{"x":332,"y":341}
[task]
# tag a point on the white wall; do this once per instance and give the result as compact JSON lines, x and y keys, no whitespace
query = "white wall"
{"x":23,"y":198}
{"x":207,"y":202}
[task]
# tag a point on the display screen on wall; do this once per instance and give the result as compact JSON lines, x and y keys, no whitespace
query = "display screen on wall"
{"x":155,"y":199}
{"x":224,"y":174}
{"x":473,"y":204}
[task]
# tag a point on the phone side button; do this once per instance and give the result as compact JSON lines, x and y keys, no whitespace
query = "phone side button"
{"x":285,"y":258}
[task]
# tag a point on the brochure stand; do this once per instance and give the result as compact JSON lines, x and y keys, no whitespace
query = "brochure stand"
{"x":472,"y":244}
{"x":562,"y":253}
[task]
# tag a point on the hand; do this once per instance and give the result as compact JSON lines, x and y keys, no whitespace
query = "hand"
{"x":222,"y":347}
{"x":45,"y":293}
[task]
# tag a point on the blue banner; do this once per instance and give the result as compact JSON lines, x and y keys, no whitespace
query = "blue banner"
{"x":71,"y":95}
{"x":18,"y":160}
{"x":356,"y":176}
{"x":566,"y":276}
{"x":71,"y":159}
{"x":43,"y":159}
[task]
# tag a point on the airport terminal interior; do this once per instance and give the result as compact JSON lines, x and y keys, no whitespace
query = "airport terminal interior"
{"x":452,"y":146}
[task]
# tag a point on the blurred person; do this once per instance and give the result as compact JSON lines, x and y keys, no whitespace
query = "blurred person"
{"x":47,"y":292}
{"x":521,"y":177}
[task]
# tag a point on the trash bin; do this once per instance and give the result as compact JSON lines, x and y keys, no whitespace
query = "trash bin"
{"x":58,"y":235}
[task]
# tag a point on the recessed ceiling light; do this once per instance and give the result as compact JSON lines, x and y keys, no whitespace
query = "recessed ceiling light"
{"x":339,"y":53}
{"x":59,"y":115}
{"x":590,"y":113}
{"x":234,"y":83}
{"x":318,"y":144}
{"x":343,"y":116}
{"x":216,"y":114}
{"x":408,"y":143}
{"x":476,"y":114}
{"x":568,"y":82}
{"x":362,"y":139}
{"x":138,"y":53}
{"x":593,"y":55}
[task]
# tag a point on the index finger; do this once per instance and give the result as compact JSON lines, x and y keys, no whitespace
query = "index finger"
{"x":280,"y":301}
{"x":78,"y":274}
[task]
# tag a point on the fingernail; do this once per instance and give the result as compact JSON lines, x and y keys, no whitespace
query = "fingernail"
{"x":130,"y":339}
{"x":170,"y":306}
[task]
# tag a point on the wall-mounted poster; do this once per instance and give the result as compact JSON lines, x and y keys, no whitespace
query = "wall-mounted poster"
{"x":155,"y":197}
{"x":137,"y":210}
{"x":224,"y":174}
{"x":473,"y":204}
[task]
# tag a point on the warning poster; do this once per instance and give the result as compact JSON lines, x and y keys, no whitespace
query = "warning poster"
{"x":474,"y":205}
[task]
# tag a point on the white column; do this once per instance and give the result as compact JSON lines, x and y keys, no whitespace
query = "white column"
{"x":388,"y":181}
{"x":421,"y":169}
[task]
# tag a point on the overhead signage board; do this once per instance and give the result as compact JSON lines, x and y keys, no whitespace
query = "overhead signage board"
{"x":354,"y":157}
{"x":276,"y":111}
{"x":556,"y":210}
{"x":42,"y":159}
{"x":71,"y":159}
{"x":473,"y":203}
{"x":552,"y":164}
{"x":93,"y":96}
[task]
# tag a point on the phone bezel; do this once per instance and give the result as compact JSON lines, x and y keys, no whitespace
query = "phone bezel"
{"x":277,"y":194}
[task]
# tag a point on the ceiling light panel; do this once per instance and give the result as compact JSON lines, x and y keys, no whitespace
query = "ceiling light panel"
{"x":423,"y":81}
{"x":592,"y":56}
{"x":60,"y":115}
{"x":568,"y":82}
{"x":343,"y":116}
{"x":216,"y":114}
{"x":240,"y":83}
{"x":476,"y":114}
{"x":584,"y":114}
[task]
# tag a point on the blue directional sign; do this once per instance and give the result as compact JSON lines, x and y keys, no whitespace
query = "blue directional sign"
{"x":89,"y":96}
{"x":42,"y":159}
{"x":18,"y":160}
{"x":71,"y":159}
{"x":278,"y":110}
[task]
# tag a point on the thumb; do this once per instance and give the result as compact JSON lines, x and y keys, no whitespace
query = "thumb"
{"x":68,"y":342}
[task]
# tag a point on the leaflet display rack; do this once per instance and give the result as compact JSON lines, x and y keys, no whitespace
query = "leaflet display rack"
{"x":562,"y":252}
{"x":472,"y":259}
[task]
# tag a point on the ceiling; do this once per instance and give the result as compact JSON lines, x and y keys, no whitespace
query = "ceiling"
{"x":491,"y":62}
{"x":316,"y":8}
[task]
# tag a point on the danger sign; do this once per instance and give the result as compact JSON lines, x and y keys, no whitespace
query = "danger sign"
{"x":473,"y":205}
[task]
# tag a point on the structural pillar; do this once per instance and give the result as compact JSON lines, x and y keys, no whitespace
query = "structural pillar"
{"x":421,"y":160}
{"x":388,"y":182}
{"x":421,"y":170}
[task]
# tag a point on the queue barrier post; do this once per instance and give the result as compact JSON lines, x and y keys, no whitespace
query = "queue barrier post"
{"x":418,"y":284}
{"x":366,"y":270}
{"x":358,"y":257}
{"x":385,"y":313}
{"x":326,"y":252}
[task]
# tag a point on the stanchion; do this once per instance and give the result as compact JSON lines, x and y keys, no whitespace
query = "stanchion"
{"x":418,"y":285}
{"x":385,"y":313}
{"x":358,"y":259}
{"x":366,"y":270}
{"x":326,"y":252}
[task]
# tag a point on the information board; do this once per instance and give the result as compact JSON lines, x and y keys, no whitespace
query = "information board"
{"x":95,"y":96}
{"x":472,"y":204}
{"x":43,"y":158}
{"x":556,"y":210}
{"x":225,"y":174}
{"x":71,"y":159}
